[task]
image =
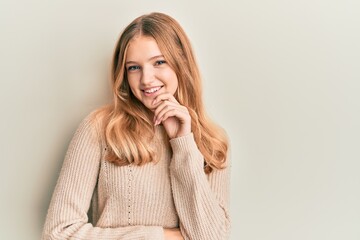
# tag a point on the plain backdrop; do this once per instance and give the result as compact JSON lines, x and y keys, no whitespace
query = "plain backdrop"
{"x":282,"y":77}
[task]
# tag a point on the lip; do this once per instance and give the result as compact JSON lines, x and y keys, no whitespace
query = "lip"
{"x":153,"y":93}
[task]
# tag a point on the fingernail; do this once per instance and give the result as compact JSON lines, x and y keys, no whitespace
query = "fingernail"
{"x":158,"y":121}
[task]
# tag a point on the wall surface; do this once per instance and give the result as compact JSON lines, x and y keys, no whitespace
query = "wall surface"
{"x":282,"y":77}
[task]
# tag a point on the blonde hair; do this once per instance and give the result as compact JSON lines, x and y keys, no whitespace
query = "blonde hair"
{"x":126,"y":123}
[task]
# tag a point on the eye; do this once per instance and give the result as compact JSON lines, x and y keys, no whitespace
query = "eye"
{"x":133,"y":68}
{"x":160,"y":62}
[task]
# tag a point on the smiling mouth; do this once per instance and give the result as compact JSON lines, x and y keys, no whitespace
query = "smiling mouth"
{"x":152,"y":90}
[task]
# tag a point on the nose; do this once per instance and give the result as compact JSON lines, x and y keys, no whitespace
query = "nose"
{"x":148,"y":76}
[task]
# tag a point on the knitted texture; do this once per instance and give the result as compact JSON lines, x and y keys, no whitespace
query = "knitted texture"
{"x":137,"y":202}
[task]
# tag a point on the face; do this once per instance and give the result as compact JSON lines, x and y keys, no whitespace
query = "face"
{"x":148,"y":72}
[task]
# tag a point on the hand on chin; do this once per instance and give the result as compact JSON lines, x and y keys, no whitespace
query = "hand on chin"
{"x":174,"y":116}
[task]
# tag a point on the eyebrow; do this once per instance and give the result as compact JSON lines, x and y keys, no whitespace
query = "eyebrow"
{"x":157,"y":56}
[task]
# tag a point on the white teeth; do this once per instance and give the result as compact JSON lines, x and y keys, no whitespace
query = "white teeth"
{"x":152,"y":90}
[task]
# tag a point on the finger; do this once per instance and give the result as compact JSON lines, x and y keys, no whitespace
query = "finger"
{"x":166,"y":106}
{"x":163,"y":97}
{"x":179,"y":111}
{"x":174,"y":113}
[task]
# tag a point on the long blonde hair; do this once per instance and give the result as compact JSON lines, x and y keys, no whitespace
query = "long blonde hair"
{"x":127,"y":128}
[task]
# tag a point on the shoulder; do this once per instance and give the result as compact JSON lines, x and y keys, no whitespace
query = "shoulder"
{"x":98,"y":117}
{"x":92,"y":125}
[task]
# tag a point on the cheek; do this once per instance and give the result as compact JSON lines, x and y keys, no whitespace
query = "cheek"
{"x":171,"y":78}
{"x":134,"y":90}
{"x":175,"y":82}
{"x":133,"y":83}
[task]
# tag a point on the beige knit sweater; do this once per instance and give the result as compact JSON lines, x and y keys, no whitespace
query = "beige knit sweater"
{"x":137,"y":202}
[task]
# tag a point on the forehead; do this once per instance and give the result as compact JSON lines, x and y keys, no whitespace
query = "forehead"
{"x":142,"y":48}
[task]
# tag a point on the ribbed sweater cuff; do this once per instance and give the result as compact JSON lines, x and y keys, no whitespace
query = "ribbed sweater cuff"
{"x":156,"y":233}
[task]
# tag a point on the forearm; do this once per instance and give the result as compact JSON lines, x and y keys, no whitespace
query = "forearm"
{"x":201,"y":201}
{"x":85,"y":231}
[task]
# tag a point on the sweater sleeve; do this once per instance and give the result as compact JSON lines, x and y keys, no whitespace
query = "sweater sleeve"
{"x":67,"y":214}
{"x":202,"y":201}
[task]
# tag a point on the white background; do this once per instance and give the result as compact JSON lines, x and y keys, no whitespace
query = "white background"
{"x":282,"y":77}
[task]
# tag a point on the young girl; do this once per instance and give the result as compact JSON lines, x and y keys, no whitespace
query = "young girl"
{"x":151,"y":165}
